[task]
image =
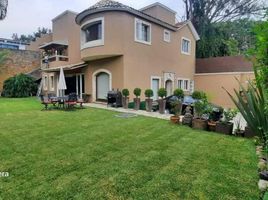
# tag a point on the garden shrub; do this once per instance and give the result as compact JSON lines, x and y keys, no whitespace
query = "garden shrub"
{"x":125,"y":92}
{"x":20,"y":85}
{"x":149,"y":93}
{"x":162,"y":92}
{"x":179,"y":93}
{"x":199,"y":95}
{"x":137,"y":92}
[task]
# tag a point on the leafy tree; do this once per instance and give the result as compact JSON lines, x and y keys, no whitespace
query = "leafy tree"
{"x":31,"y":37}
{"x":20,"y":85}
{"x":3,"y":9}
{"x":221,"y":25}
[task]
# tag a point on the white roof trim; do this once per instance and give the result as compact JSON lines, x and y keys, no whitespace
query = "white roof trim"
{"x":64,"y":43}
{"x":64,"y":13}
{"x":192,"y":28}
{"x":158,"y":4}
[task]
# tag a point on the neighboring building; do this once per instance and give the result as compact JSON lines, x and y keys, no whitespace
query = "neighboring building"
{"x":112,"y":46}
{"x":12,"y":44}
{"x":212,"y":74}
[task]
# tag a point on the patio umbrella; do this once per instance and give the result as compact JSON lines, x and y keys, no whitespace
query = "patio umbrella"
{"x":62,"y":83}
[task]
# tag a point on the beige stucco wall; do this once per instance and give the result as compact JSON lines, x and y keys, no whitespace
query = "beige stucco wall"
{"x":140,"y":61}
{"x":65,"y":29}
{"x":110,"y":65}
{"x":212,"y":84}
{"x":161,"y":13}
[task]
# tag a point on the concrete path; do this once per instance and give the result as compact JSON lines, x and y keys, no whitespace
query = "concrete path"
{"x":137,"y":112}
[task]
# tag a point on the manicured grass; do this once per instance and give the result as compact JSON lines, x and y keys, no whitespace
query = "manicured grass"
{"x":91,"y":154}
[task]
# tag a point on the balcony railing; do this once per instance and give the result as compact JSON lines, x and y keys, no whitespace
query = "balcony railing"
{"x":46,"y":61}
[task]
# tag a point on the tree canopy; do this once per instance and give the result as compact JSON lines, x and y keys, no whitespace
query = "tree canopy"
{"x":30,"y":37}
{"x":3,"y":9}
{"x":224,"y":26}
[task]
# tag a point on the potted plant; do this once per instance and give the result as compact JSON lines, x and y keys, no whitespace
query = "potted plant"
{"x":125,"y":93}
{"x":162,"y":103}
{"x":149,"y":102}
{"x":137,"y":100}
{"x":225,"y":126}
{"x":176,"y":109}
{"x":178,"y":93}
{"x":214,"y":116}
{"x":201,"y":109}
{"x":198,"y":95}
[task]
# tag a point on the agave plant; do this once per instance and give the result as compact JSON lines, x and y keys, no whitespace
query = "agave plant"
{"x":251,"y":102}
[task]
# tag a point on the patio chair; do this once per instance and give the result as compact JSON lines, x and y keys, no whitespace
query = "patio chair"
{"x":45,"y":102}
{"x":72,"y":100}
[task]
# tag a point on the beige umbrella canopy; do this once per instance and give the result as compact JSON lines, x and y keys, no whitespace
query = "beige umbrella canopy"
{"x":3,"y":9}
{"x":61,"y":84}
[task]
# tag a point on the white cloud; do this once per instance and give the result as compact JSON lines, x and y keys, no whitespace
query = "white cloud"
{"x":25,"y":16}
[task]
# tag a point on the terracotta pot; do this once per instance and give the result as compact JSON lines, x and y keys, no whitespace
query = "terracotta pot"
{"x":200,"y":124}
{"x":149,"y":105}
{"x":162,"y":106}
{"x":125,"y":102}
{"x":175,"y":119}
{"x":249,"y":133}
{"x":225,"y":128}
{"x":211,"y":126}
{"x":137,"y":102}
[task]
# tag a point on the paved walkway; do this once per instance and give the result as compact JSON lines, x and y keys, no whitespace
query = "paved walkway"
{"x":137,"y":112}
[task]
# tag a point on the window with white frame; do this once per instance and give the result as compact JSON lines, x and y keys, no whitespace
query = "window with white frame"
{"x":142,"y":31}
{"x":185,"y":46}
{"x":166,"y":36}
{"x":184,"y":84}
{"x":51,"y":82}
{"x":92,"y":33}
{"x":45,"y":82}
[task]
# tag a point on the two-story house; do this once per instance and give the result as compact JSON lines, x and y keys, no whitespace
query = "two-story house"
{"x":113,"y":46}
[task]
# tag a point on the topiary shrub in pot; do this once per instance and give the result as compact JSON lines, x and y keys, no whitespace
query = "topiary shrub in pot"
{"x":225,"y":125}
{"x":125,"y":93}
{"x":201,"y":110}
{"x":162,"y":103}
{"x":137,"y":100}
{"x":179,"y":93}
{"x":149,"y":102}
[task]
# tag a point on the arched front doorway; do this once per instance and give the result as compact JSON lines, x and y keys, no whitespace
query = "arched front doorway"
{"x":169,"y":87}
{"x":102,"y":86}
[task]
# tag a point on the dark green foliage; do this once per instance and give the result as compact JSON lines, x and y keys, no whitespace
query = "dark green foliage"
{"x":179,"y":93}
{"x":125,"y":92}
{"x":199,"y":95}
{"x":162,"y":92}
{"x":201,"y":107}
{"x":131,"y":105}
{"x":149,"y":93}
{"x":137,"y":92}
{"x":20,"y":85}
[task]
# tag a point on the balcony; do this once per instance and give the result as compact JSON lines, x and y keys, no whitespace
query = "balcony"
{"x":54,"y":54}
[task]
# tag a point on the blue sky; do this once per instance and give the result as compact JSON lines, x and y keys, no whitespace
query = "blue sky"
{"x":25,"y":16}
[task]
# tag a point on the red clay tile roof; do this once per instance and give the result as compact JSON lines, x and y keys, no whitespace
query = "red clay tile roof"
{"x":223,"y":64}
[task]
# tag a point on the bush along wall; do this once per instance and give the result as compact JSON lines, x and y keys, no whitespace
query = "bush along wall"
{"x":19,"y":86}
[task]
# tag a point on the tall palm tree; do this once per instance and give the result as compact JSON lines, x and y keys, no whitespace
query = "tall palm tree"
{"x":3,"y":9}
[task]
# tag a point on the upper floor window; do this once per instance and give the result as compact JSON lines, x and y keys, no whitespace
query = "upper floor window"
{"x":166,"y":36}
{"x":185,"y":46}
{"x":92,"y":33}
{"x":142,"y":31}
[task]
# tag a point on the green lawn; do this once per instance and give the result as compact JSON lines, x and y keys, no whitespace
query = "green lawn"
{"x":91,"y":154}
